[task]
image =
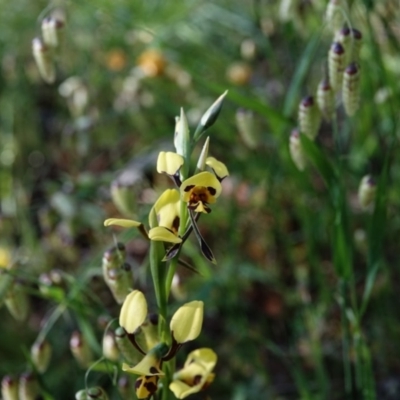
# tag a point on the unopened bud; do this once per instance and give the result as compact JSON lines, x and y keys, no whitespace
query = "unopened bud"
{"x":110,"y":348}
{"x":114,"y":257}
{"x":29,"y":388}
{"x":81,"y":395}
{"x":9,"y":388}
{"x":80,"y":349}
{"x":181,"y":135}
{"x":367,"y":192}
{"x":119,"y":281}
{"x":326,"y":99}
{"x":52,"y":31}
{"x":44,"y":60}
{"x":336,"y":63}
{"x":201,"y":163}
{"x":209,"y":117}
{"x":309,"y":117}
{"x":96,"y":393}
{"x":41,"y":354}
{"x":351,"y":89}
{"x":124,"y":198}
{"x":296,"y":151}
{"x":247,"y":129}
{"x":52,"y":285}
{"x":128,"y":351}
{"x":17,"y":301}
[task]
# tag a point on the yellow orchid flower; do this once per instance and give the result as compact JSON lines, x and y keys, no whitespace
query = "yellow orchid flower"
{"x":151,"y":363}
{"x":187,"y":321}
{"x":133,"y":311}
{"x":167,"y":209}
{"x":200,"y":190}
{"x":218,"y":167}
{"x":196,"y":374}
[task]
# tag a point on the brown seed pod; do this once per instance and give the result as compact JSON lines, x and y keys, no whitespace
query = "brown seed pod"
{"x":309,"y":117}
{"x":326,"y":99}
{"x":296,"y":151}
{"x":351,"y":89}
{"x":336,"y":63}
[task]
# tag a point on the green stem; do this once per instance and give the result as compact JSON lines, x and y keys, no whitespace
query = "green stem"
{"x":345,"y":340}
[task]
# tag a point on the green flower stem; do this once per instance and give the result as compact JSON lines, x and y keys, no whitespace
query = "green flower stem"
{"x":345,"y":339}
{"x":157,"y":268}
{"x":174,"y":262}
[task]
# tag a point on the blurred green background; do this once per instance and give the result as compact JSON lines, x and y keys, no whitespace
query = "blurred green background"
{"x":275,"y":305}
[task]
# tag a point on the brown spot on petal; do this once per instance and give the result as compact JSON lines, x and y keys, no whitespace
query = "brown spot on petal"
{"x":175,"y":225}
{"x":197,"y":379}
{"x":138,"y":383}
{"x":188,"y":188}
{"x":153,"y":370}
{"x":150,"y":386}
{"x":211,"y":190}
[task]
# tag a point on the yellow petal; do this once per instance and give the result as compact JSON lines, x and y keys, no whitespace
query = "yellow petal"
{"x":182,"y":390}
{"x":205,"y":357}
{"x":218,"y":167}
{"x":133,"y":311}
{"x":125,"y":223}
{"x":150,"y":364}
{"x":203,"y":179}
{"x":168,"y":196}
{"x":162,"y":234}
{"x":167,"y":209}
{"x":169,"y":162}
{"x":145,"y":386}
{"x":187,"y":321}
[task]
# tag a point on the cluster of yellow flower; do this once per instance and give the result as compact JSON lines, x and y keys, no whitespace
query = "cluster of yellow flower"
{"x":171,"y":220}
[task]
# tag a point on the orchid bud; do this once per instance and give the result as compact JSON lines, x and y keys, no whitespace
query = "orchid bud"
{"x":9,"y":388}
{"x":41,"y":354}
{"x":52,"y":31}
{"x":29,"y":388}
{"x":44,"y":60}
{"x":110,"y":348}
{"x":80,"y":349}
